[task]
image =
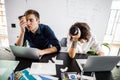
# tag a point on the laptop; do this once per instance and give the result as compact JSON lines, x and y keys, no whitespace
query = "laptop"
{"x":99,"y":63}
{"x":25,"y":52}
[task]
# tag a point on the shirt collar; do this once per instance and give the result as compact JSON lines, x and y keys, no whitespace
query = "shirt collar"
{"x":38,"y":30}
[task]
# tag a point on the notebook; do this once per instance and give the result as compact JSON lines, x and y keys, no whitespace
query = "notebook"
{"x":25,"y":52}
{"x":99,"y":63}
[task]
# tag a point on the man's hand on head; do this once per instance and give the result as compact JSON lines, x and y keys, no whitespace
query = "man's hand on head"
{"x":23,"y":24}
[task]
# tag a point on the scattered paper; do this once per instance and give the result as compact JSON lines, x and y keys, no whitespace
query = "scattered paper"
{"x":58,"y":62}
{"x":54,"y":58}
{"x":50,"y":61}
{"x":43,"y":69}
{"x":92,"y":77}
{"x":81,"y":61}
{"x":64,"y":69}
{"x":2,"y":71}
{"x":50,"y":77}
{"x":118,"y":63}
{"x":87,"y":77}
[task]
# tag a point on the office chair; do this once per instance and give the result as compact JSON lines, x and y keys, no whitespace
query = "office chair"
{"x":63,"y":42}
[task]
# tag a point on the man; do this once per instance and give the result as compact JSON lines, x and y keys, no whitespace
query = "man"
{"x":38,"y":35}
{"x":80,"y":40}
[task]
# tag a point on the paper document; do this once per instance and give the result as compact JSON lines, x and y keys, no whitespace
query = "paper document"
{"x":81,"y":61}
{"x":88,"y":77}
{"x":57,"y":62}
{"x":118,"y":63}
{"x":49,"y":77}
{"x":43,"y":68}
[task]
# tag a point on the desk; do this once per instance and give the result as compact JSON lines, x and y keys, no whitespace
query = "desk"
{"x":71,"y":64}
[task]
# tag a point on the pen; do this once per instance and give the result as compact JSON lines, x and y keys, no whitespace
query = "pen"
{"x":7,"y":50}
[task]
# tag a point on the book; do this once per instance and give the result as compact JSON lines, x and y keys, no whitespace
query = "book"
{"x":25,"y":75}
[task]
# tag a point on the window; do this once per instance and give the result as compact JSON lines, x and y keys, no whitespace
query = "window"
{"x":3,"y":26}
{"x":113,"y":30}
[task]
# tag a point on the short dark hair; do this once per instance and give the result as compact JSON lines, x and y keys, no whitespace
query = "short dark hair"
{"x":85,"y":30}
{"x":19,"y":17}
{"x":30,"y":11}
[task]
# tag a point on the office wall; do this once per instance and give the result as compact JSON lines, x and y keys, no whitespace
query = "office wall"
{"x":60,"y":15}
{"x":14,"y":8}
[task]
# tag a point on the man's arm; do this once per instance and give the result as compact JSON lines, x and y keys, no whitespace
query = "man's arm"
{"x":54,"y":43}
{"x":20,"y":40}
{"x":47,"y":51}
{"x":23,"y":24}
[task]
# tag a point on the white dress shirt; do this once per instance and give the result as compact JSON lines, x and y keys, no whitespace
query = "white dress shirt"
{"x":83,"y":48}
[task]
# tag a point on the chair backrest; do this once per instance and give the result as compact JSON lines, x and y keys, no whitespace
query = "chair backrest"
{"x":63,"y":42}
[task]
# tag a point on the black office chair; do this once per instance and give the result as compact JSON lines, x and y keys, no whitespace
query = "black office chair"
{"x":63,"y":42}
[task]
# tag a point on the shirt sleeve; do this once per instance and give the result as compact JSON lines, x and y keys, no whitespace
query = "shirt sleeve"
{"x":96,"y":45}
{"x":51,"y":37}
{"x":25,"y":38}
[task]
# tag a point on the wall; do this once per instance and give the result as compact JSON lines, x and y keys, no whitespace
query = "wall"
{"x":60,"y":15}
{"x":14,"y":8}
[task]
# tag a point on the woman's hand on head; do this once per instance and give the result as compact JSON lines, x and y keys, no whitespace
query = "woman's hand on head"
{"x":76,"y":37}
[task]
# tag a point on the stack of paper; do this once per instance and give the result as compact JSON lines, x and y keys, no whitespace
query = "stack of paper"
{"x":43,"y":69}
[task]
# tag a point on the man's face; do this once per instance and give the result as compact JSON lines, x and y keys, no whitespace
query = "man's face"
{"x":32,"y":22}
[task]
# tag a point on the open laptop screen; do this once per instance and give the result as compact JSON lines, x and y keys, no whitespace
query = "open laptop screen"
{"x":99,"y":63}
{"x":25,"y":52}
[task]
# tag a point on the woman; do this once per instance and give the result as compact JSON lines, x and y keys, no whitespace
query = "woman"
{"x":80,"y":40}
